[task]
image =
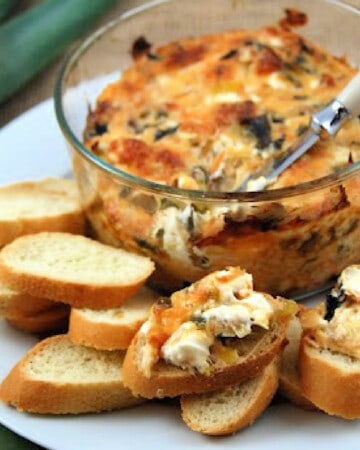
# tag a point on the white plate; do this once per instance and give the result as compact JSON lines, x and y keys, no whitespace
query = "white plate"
{"x":32,"y":147}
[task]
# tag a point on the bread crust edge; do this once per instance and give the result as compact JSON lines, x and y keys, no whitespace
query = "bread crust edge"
{"x":100,"y":335}
{"x":335,"y":391}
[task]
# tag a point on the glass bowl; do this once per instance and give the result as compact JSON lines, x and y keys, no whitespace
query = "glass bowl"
{"x":293,"y":240}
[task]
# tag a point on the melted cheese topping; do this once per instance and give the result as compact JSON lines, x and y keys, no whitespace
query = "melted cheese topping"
{"x":224,"y":102}
{"x":228,"y":321}
{"x":259,"y":308}
{"x":188,"y":348}
{"x":344,"y":327}
{"x":222,"y":303}
{"x":237,"y":319}
{"x":349,"y":281}
{"x":342,"y":332}
{"x":174,"y":235}
{"x":231,"y":287}
{"x":148,"y":354}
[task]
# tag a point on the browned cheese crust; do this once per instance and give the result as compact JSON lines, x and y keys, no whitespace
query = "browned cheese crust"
{"x":203,"y":113}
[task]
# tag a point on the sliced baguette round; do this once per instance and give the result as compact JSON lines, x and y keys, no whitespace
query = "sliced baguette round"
{"x":14,"y":303}
{"x":52,"y":320}
{"x":111,"y":329}
{"x":46,"y":205}
{"x":331,"y":380}
{"x":58,"y":377}
{"x":254,"y":353}
{"x":233,"y":408}
{"x":73,"y":269}
{"x":289,"y":381}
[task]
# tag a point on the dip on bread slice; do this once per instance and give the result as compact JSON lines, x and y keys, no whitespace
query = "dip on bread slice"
{"x":329,"y":360}
{"x":209,"y":335}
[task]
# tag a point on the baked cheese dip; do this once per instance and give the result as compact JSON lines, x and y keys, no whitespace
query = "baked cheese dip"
{"x":202,"y":114}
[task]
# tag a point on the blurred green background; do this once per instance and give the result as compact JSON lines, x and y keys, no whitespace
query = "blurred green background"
{"x":41,"y":87}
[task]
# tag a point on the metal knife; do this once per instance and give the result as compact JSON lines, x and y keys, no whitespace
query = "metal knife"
{"x":330,"y":119}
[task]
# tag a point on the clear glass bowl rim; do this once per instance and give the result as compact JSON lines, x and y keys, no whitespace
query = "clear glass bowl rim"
{"x":122,"y":176}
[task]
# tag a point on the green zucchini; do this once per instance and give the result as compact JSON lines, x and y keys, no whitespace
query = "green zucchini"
{"x":6,"y":6}
{"x":33,"y":39}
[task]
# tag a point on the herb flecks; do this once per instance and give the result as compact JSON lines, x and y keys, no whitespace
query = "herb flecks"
{"x":333,"y":300}
{"x":140,"y":47}
{"x":200,"y":174}
{"x":230,"y":54}
{"x":97,"y":129}
{"x":297,"y":83}
{"x":260,"y":128}
{"x":277,"y":119}
{"x":199,"y":321}
{"x":135,"y":126}
{"x":278,"y":143}
{"x":153,"y":56}
{"x":301,"y":129}
{"x":160,"y":134}
{"x":309,"y":244}
{"x":144,"y":244}
{"x":164,"y":302}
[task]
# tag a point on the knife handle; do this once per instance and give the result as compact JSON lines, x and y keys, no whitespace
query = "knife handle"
{"x":346,"y":104}
{"x":350,"y":96}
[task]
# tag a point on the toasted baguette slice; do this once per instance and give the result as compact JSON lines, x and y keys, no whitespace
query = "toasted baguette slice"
{"x":289,"y":381}
{"x":73,"y":269}
{"x":253,"y":354}
{"x":14,"y":303}
{"x":52,"y":320}
{"x":46,"y":205}
{"x":329,"y":356}
{"x":331,"y":380}
{"x":58,"y":377}
{"x":111,"y":329}
{"x":231,"y":409}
